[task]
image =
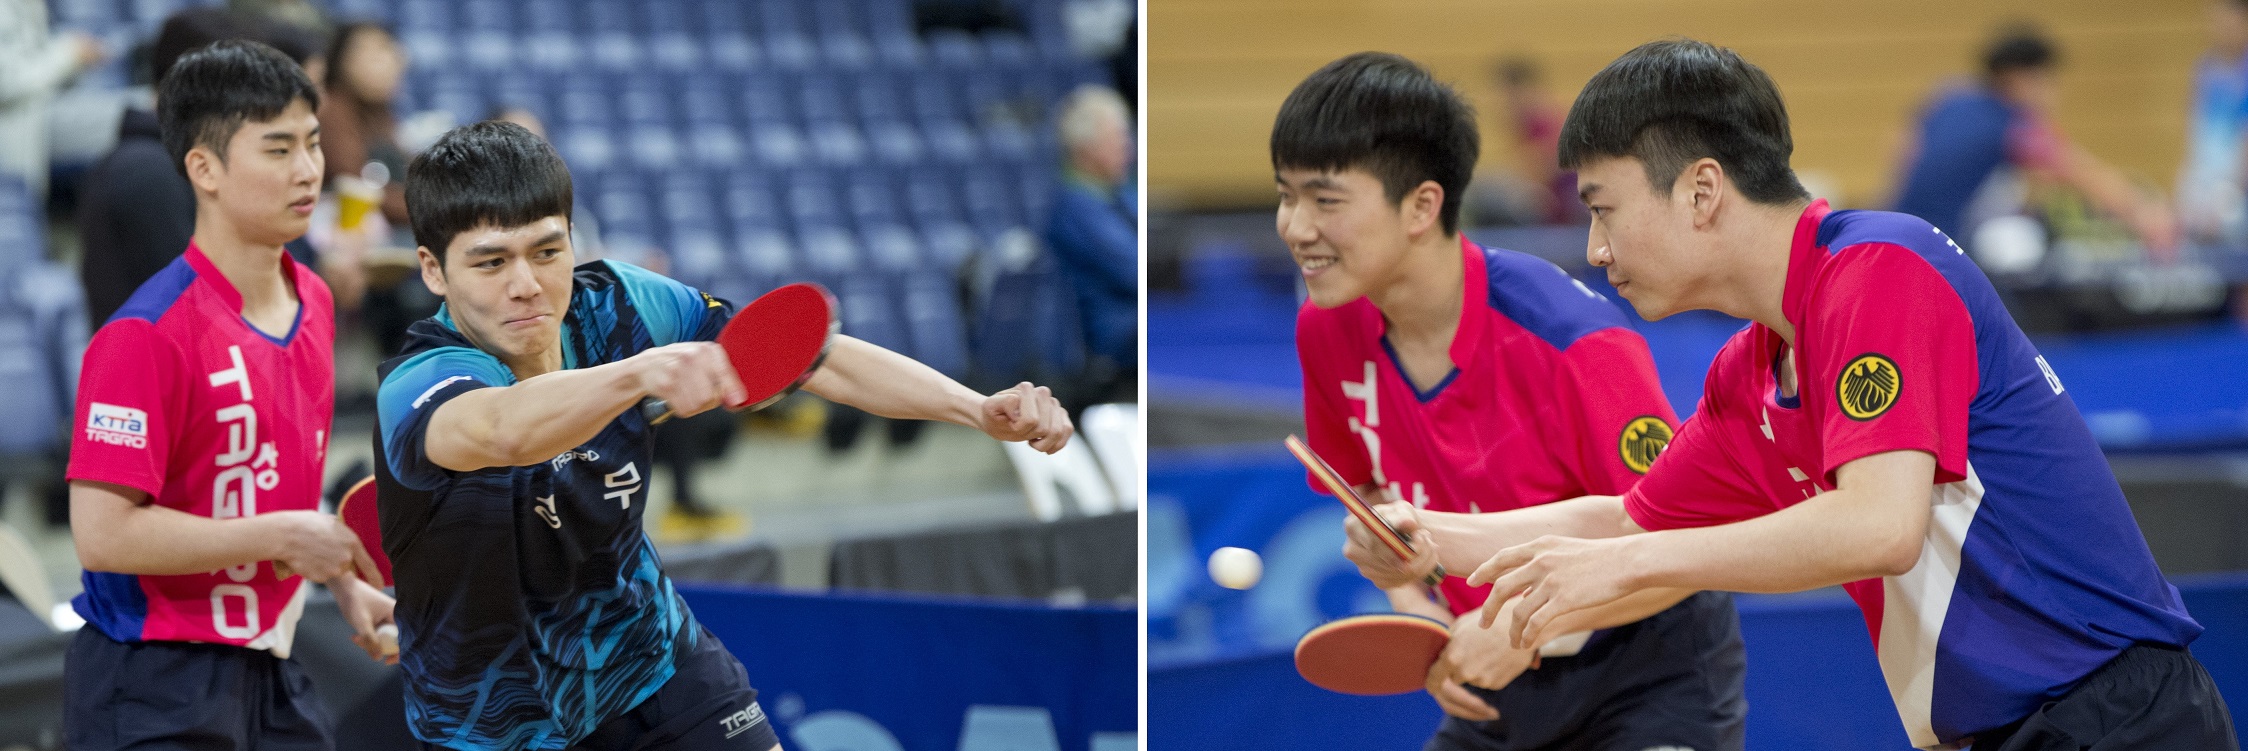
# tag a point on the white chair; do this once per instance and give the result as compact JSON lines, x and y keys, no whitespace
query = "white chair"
{"x":1073,"y":468}
{"x":1113,"y":431}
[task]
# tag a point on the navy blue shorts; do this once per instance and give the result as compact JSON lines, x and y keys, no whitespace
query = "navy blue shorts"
{"x":1672,"y":681}
{"x":162,"y":695}
{"x":2149,"y":696}
{"x":707,"y":704}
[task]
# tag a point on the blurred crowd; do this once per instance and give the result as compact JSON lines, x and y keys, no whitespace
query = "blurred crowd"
{"x":1986,"y":162}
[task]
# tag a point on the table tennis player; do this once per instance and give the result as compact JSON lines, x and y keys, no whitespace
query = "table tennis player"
{"x":532,"y":610}
{"x":1471,"y":379}
{"x":203,"y":416}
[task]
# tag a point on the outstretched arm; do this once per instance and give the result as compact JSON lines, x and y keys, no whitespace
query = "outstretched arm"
{"x":866,"y":376}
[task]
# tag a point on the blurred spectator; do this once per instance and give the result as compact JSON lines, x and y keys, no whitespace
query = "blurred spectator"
{"x":1540,"y":192}
{"x":34,"y":65}
{"x":2211,"y":182}
{"x":1094,"y":236}
{"x":135,"y":210}
{"x":2002,"y":126}
{"x":297,"y":13}
{"x":357,"y":126}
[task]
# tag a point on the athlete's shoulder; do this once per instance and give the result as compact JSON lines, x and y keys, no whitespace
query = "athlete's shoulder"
{"x":1845,"y":231}
{"x":1544,"y":300}
{"x":157,"y":296}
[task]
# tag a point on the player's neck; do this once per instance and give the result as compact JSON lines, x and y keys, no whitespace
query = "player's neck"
{"x":253,"y":269}
{"x":1423,"y":300}
{"x":1760,"y":240}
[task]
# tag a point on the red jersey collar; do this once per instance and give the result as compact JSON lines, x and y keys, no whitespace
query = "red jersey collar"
{"x":1802,"y":263}
{"x":210,"y":275}
{"x":1477,"y":276}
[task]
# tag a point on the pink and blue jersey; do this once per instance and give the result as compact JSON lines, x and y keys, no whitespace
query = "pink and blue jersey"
{"x":2033,"y":573}
{"x":182,"y":399}
{"x":1552,"y":396}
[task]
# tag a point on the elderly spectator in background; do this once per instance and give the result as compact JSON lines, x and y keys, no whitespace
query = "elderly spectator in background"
{"x":34,"y":65}
{"x":2005,"y":120}
{"x":1093,"y":233}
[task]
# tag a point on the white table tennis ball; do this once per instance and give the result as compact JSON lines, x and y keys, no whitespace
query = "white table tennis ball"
{"x":1236,"y":568}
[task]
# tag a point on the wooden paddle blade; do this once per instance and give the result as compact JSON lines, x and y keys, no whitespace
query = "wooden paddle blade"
{"x":359,"y":512}
{"x":1372,"y":655}
{"x":1342,"y":491}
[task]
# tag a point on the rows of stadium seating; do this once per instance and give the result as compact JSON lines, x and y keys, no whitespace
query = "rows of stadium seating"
{"x":42,"y":334}
{"x":762,"y":142}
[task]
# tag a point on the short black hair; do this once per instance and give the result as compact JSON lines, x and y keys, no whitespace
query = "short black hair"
{"x":2019,"y":46}
{"x":1386,"y":115}
{"x":211,"y":92}
{"x":1670,"y":102}
{"x":493,"y":172}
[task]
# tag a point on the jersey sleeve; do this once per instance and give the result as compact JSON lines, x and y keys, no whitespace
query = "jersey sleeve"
{"x":673,"y":312}
{"x":1701,"y":479}
{"x":1895,"y":361}
{"x":413,"y":391}
{"x":1613,"y":416}
{"x":1327,"y":414}
{"x":129,"y":413}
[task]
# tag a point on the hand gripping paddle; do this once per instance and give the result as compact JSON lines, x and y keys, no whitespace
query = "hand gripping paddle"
{"x":1357,"y":506}
{"x":775,"y":343}
{"x":1372,"y":655}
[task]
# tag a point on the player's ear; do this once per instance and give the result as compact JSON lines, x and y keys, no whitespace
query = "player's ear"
{"x":1704,"y":185}
{"x":432,"y":270}
{"x":203,"y":168}
{"x":1422,"y":207}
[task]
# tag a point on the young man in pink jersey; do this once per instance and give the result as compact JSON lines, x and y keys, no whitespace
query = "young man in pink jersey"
{"x":201,"y":433}
{"x":1881,"y":424}
{"x":1469,"y":379}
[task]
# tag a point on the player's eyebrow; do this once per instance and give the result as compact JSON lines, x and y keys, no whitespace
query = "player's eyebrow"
{"x":1585,"y":193}
{"x":288,"y":137}
{"x":550,"y":239}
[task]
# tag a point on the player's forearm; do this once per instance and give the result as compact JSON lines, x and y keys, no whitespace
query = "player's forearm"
{"x":1831,"y":539}
{"x":1465,"y":541}
{"x":1414,"y":599}
{"x":116,"y":534}
{"x":1631,"y":608}
{"x":889,"y":384}
{"x":533,"y":420}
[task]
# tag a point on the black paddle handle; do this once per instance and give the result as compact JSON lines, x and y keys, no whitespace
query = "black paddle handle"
{"x":656,"y":410}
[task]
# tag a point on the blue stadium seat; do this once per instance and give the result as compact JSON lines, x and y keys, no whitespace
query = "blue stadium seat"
{"x":838,"y":143}
{"x":829,"y":249}
{"x":764,"y":252}
{"x":765,"y":98}
{"x":823,"y":97}
{"x":787,"y":37}
{"x":875,"y":97}
{"x":32,"y":405}
{"x":953,"y":49}
{"x":934,"y":325}
{"x":873,"y":197}
{"x":750,"y":201}
{"x":655,"y":146}
{"x":869,"y":311}
{"x":895,"y":142}
{"x":778,"y":144}
{"x":586,"y":147}
{"x":811,"y":199}
{"x":989,"y":197}
{"x":426,"y":15}
{"x":892,"y":247}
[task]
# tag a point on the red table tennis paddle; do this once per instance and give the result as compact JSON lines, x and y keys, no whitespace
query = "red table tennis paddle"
{"x":1357,"y":506}
{"x":1372,"y":655}
{"x":774,"y":342}
{"x":357,"y":510}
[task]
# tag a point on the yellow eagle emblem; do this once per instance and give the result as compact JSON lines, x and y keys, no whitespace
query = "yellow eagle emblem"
{"x":1868,"y":386}
{"x":1643,"y":440}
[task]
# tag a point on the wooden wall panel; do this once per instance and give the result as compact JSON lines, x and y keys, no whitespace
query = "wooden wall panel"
{"x":1853,"y":73}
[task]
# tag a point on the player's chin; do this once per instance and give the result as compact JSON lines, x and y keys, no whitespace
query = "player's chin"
{"x":1330,"y":293}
